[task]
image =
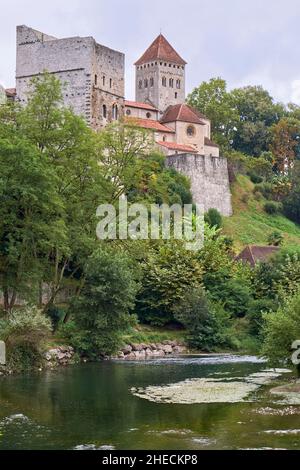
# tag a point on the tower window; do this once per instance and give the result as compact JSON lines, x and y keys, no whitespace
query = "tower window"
{"x":146,"y":83}
{"x":176,"y":95}
{"x":115,"y":112}
{"x":171,"y":83}
{"x":140,"y":84}
{"x":164,"y":81}
{"x":103,"y":80}
{"x":96,"y":79}
{"x":104,"y":111}
{"x":110,"y":82}
{"x":178,"y":84}
{"x":151,"y":81}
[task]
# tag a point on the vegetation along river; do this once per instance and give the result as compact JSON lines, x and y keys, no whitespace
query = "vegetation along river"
{"x":203,"y":402}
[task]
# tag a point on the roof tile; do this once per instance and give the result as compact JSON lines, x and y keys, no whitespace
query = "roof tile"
{"x":161,"y":49}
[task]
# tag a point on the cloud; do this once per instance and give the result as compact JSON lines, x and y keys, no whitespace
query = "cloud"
{"x":237,"y":40}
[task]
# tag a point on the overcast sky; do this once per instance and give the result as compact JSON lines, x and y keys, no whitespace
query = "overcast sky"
{"x":254,"y":42}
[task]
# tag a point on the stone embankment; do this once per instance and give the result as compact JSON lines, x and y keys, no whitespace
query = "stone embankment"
{"x":60,"y":356}
{"x":143,"y":351}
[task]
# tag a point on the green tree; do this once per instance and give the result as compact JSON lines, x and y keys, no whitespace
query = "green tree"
{"x":214,"y":101}
{"x":102,"y":310}
{"x":213,"y":218}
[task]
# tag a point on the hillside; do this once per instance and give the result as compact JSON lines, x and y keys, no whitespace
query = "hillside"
{"x":250,"y":224}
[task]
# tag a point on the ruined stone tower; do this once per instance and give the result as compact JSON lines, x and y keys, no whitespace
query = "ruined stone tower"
{"x":93,"y":74}
{"x":160,"y":76}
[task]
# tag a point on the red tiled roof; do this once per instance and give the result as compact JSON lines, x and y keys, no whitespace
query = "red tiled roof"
{"x":137,"y":104}
{"x":210,"y":143}
{"x":181,"y":112}
{"x":256,"y":254}
{"x":181,"y":147}
{"x":11,"y":92}
{"x":161,"y":49}
{"x":150,"y":124}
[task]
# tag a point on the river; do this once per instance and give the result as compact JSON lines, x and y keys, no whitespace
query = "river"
{"x":203,"y":402}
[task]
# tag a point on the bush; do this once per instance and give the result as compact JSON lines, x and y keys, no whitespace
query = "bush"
{"x":255,"y":313}
{"x":266,"y":189}
{"x":23,"y":332}
{"x":275,"y":238}
{"x":213,"y":218}
{"x":281,"y":329}
{"x":272,"y":207}
{"x":256,"y":179}
{"x":102,"y":311}
{"x":207,"y":326}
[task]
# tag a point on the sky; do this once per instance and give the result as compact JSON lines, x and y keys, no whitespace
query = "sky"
{"x":246,"y":43}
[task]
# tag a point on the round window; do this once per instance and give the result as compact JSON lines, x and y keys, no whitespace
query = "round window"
{"x":128,"y":112}
{"x":190,"y":131}
{"x":148,"y":115}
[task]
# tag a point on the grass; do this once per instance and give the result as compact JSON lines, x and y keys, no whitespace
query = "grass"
{"x":250,"y":224}
{"x":150,"y":334}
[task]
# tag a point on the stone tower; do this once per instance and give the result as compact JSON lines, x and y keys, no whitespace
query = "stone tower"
{"x":92,"y":74}
{"x":160,"y":76}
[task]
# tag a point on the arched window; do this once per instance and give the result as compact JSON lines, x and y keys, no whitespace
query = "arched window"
{"x":96,"y":79}
{"x":110,"y":83}
{"x":104,"y":111}
{"x":151,"y":81}
{"x":164,"y":81}
{"x":146,"y":83}
{"x":164,"y":138}
{"x":176,"y":95}
{"x":140,"y":84}
{"x":171,"y":83}
{"x":178,"y":84}
{"x":115,"y":112}
{"x":103,"y":80}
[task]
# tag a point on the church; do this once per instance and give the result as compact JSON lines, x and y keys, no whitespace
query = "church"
{"x":93,"y":85}
{"x":160,"y":103}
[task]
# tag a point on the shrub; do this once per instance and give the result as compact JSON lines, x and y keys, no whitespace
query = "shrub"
{"x":281,"y":329}
{"x":272,"y":207}
{"x":266,"y":189}
{"x":207,"y":326}
{"x":102,"y":311}
{"x":213,"y":218}
{"x":23,"y":332}
{"x":255,"y":313}
{"x":256,"y":179}
{"x":275,"y":238}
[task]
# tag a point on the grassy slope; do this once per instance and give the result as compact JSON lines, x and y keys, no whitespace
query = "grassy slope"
{"x":250,"y":225}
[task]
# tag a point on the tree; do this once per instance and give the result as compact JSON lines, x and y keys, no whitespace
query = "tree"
{"x":213,"y":218}
{"x":102,"y":310}
{"x":257,"y":113}
{"x":206,"y":328}
{"x":212,"y":99}
{"x":285,"y":138}
{"x":168,"y":271}
{"x":281,"y":329}
{"x":69,"y":149}
{"x":30,"y":213}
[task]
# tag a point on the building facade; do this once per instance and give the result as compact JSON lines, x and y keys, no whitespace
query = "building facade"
{"x":93,"y":76}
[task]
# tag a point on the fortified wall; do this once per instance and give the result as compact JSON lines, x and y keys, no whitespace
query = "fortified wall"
{"x":209,"y":179}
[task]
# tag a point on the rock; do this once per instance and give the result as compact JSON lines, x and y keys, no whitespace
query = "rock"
{"x":137,"y":347}
{"x":127,"y":349}
{"x":167,"y":349}
{"x":179,"y":349}
{"x":148,"y":352}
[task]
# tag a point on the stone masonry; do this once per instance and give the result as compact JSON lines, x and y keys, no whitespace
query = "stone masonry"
{"x":209,"y":180}
{"x":92,"y":75}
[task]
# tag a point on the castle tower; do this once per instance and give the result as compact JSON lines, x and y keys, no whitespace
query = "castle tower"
{"x":160,"y":76}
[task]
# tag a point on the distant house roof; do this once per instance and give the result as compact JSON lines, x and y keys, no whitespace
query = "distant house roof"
{"x":255,"y":254}
{"x":10,"y":92}
{"x":150,"y":124}
{"x":181,"y":112}
{"x":178,"y":147}
{"x":137,"y":104}
{"x":161,"y":49}
{"x":210,"y":143}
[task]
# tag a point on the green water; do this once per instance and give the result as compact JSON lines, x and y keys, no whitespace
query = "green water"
{"x":92,"y":406}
